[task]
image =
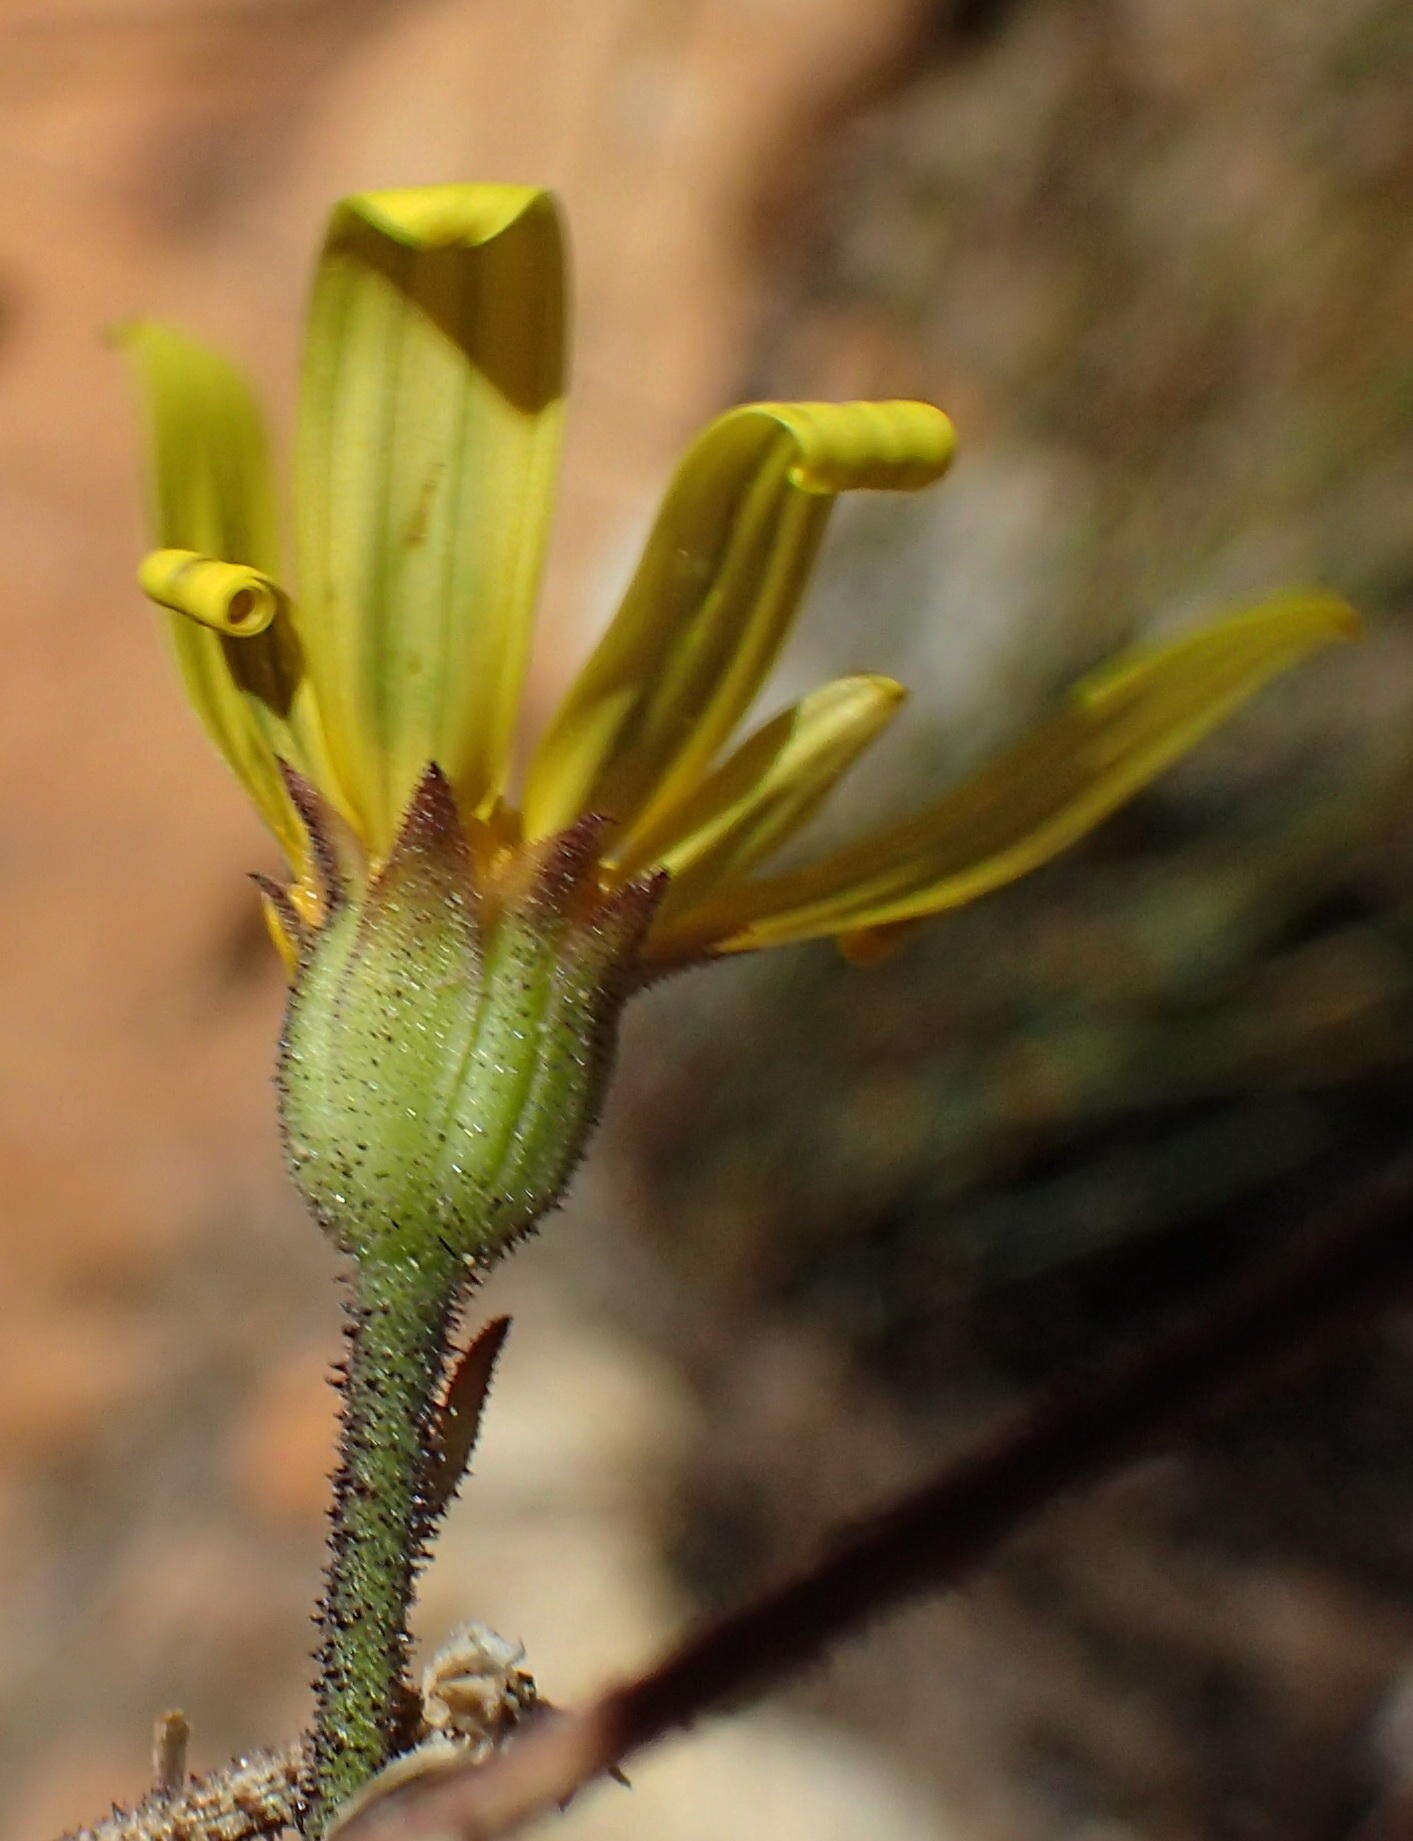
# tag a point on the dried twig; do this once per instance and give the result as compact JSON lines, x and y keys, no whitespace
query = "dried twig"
{"x":254,"y":1796}
{"x":1341,"y":1266}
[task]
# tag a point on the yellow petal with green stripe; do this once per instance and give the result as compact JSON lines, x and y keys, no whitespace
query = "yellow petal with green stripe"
{"x":212,"y":496}
{"x":428,"y":445}
{"x":1119,"y":728}
{"x":769,"y":787}
{"x":713,"y":598}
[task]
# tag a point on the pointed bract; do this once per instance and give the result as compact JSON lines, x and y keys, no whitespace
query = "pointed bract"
{"x":287,"y":931}
{"x":429,"y":865}
{"x":459,"y":1420}
{"x":335,"y":863}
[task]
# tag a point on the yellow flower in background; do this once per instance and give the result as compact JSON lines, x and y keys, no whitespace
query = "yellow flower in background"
{"x":428,"y":442}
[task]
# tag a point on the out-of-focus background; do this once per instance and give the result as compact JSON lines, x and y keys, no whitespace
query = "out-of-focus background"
{"x":1155,"y":260}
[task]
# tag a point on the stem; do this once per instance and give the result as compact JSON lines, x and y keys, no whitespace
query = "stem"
{"x":399,"y":1315}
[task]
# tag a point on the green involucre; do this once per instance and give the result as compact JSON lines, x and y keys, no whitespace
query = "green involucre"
{"x":440,"y":1071}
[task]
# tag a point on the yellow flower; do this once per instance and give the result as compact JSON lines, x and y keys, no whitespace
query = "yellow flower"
{"x":460,"y":956}
{"x":428,"y":440}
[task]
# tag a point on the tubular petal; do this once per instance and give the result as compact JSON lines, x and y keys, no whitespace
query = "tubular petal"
{"x":713,"y":597}
{"x":429,"y":438}
{"x":227,"y":597}
{"x":768,"y":788}
{"x":211,"y":493}
{"x":1119,"y":728}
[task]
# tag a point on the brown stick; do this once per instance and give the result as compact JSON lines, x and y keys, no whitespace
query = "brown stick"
{"x":1341,"y":1266}
{"x":252,"y":1798}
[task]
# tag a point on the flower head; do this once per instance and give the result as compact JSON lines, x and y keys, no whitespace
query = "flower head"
{"x":428,"y":442}
{"x":461,"y":951}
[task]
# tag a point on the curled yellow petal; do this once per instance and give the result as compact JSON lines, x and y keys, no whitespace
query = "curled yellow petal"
{"x":850,"y":447}
{"x":1118,"y":729}
{"x":713,"y":598}
{"x":227,"y":597}
{"x":428,"y":443}
{"x":211,"y":495}
{"x":209,"y":477}
{"x":765,"y":791}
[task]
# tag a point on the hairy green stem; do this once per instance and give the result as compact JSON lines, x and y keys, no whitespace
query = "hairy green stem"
{"x":399,"y":1316}
{"x":445,"y":1052}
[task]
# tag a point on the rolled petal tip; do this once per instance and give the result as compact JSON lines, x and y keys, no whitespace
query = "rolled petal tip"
{"x":230,"y":598}
{"x":893,"y":446}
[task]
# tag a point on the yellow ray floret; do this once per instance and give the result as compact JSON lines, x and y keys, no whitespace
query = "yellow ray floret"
{"x":763,"y":793}
{"x":713,"y":598}
{"x":429,"y":436}
{"x":212,"y":496}
{"x":1118,"y":729}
